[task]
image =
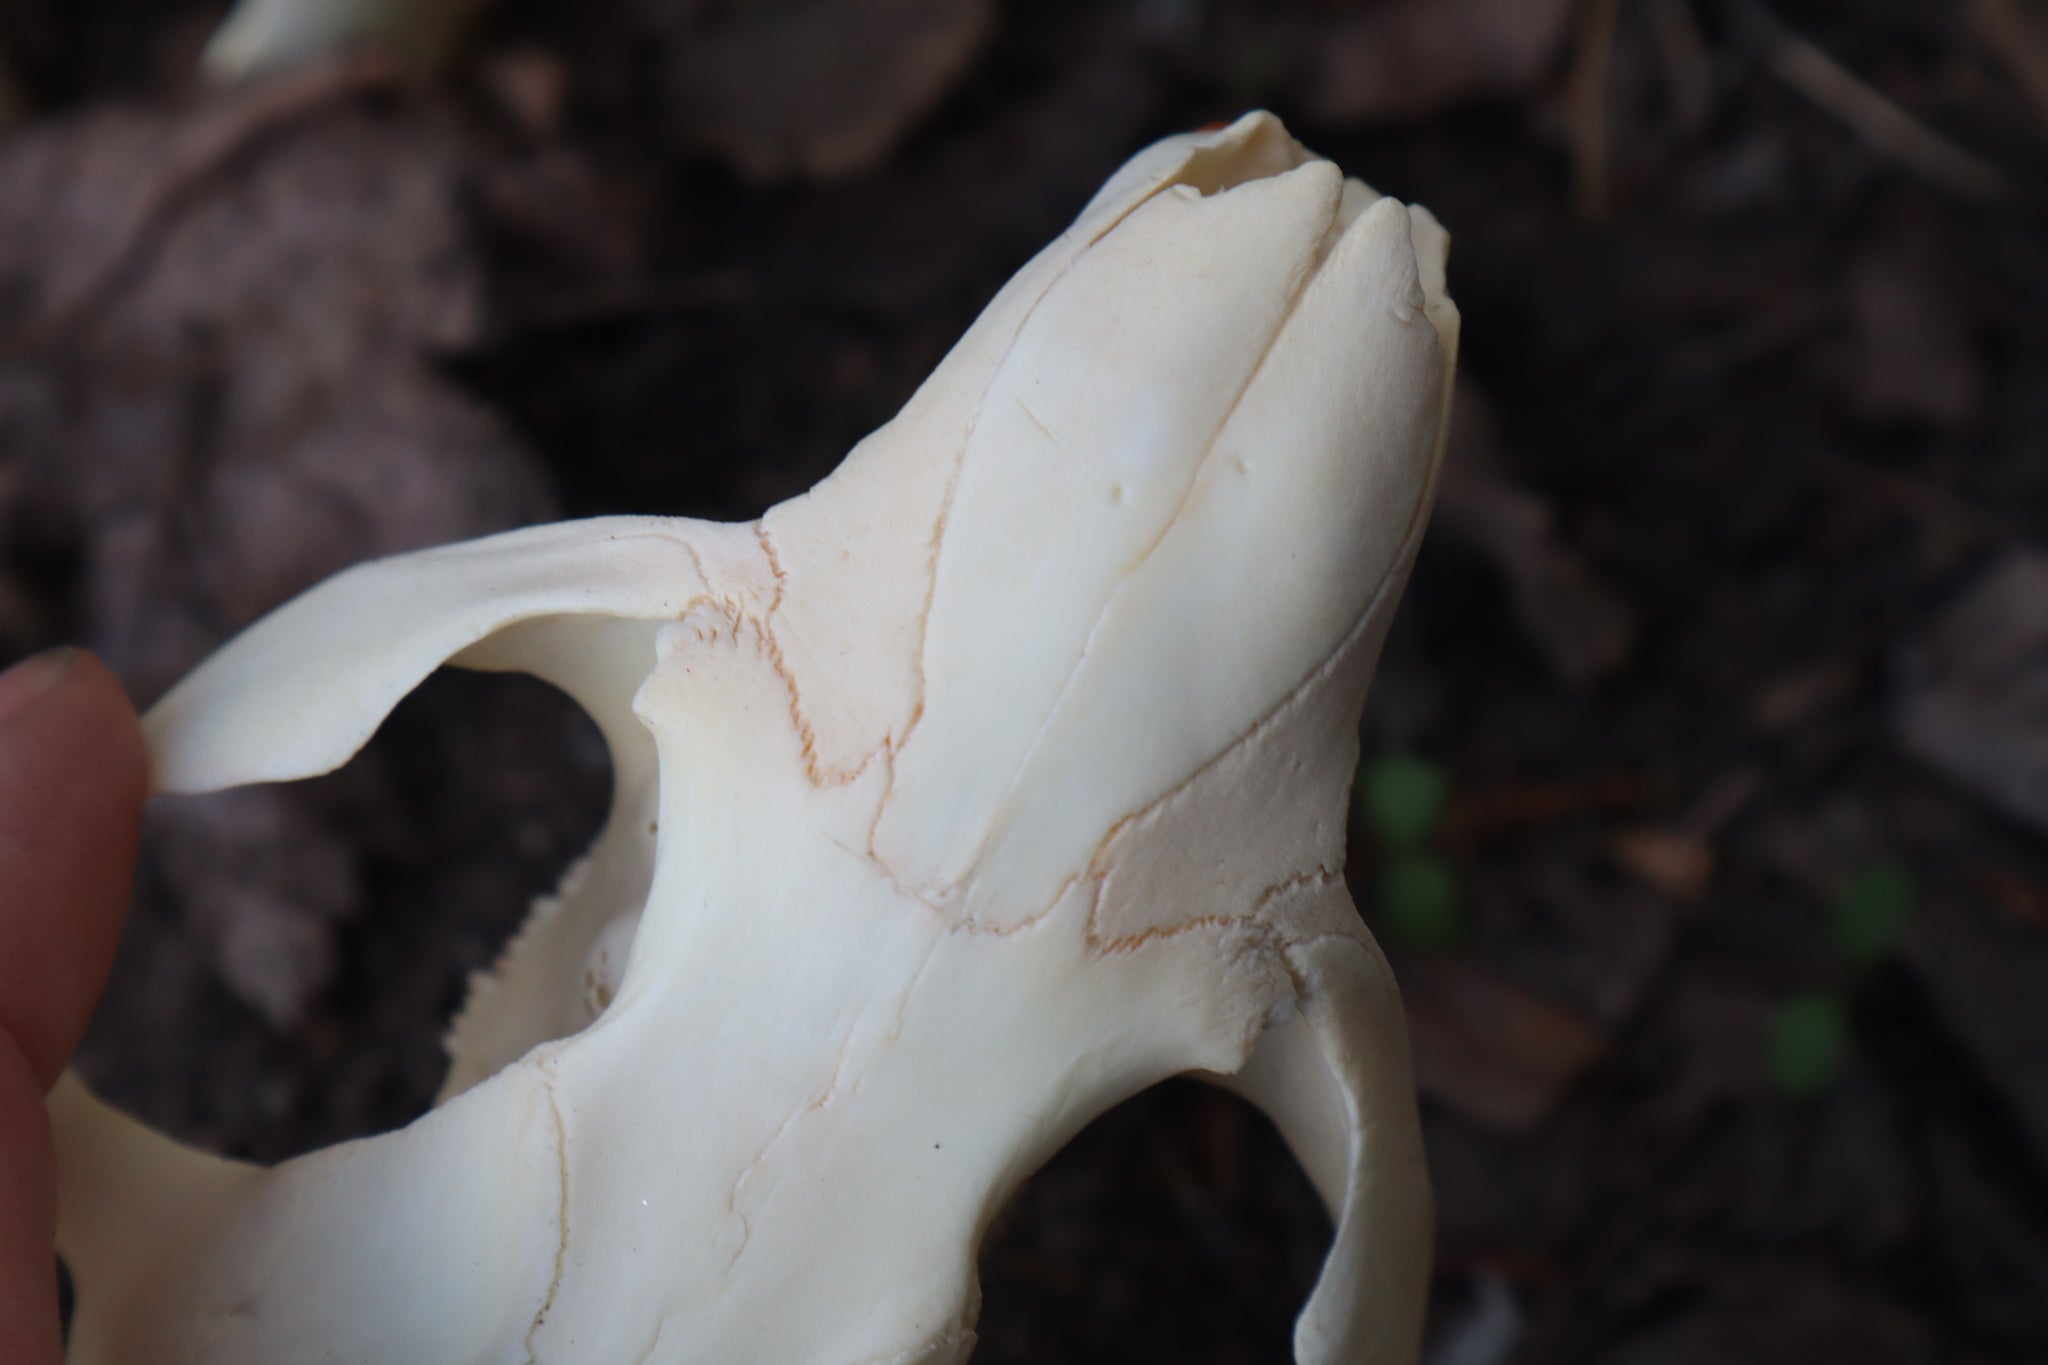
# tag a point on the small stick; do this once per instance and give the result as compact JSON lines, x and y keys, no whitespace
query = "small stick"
{"x":1589,"y":105}
{"x":1875,"y":118}
{"x":1683,"y":52}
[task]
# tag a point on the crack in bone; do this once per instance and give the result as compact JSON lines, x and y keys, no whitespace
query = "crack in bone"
{"x":244,"y":1306}
{"x":1294,"y":695}
{"x":1112,"y":946}
{"x":1319,"y":876}
{"x":1123,"y":578}
{"x":926,"y":1349}
{"x":807,"y":735}
{"x":818,"y":1100}
{"x":1297,"y":695}
{"x":940,"y":525}
{"x":660,"y":1330}
{"x":1036,"y":420}
{"x":546,"y":1068}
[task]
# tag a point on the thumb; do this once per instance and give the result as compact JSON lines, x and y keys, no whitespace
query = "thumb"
{"x":72,"y":781}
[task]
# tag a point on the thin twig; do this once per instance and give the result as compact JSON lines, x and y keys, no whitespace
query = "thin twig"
{"x":1598,"y":19}
{"x":1682,"y":51}
{"x":1875,"y":118}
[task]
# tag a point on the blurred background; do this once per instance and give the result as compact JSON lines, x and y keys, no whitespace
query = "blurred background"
{"x":1705,"y":803}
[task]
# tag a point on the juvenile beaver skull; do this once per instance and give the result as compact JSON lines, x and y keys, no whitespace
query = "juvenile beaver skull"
{"x":997,"y":778}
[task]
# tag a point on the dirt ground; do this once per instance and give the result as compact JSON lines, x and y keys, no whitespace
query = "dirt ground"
{"x":1706,"y":802}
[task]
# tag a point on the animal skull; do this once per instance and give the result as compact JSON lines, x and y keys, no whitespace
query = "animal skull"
{"x":992,"y":781}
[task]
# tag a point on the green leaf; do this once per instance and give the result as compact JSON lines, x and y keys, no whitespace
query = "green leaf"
{"x":1872,"y":912}
{"x":1808,"y":1037}
{"x":1419,"y":902}
{"x":1402,"y":799}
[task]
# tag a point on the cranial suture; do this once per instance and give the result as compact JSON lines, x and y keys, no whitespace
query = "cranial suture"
{"x":995,"y":779}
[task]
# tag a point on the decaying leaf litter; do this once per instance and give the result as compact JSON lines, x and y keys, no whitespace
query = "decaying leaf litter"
{"x":1757,"y":347}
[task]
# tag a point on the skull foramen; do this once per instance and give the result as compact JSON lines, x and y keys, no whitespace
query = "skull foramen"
{"x":997,"y":778}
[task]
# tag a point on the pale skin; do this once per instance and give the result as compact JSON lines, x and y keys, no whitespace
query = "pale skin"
{"x":72,"y":781}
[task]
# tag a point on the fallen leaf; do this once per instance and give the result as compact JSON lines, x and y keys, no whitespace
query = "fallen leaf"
{"x":1911,"y":354}
{"x":217,"y":371}
{"x":1490,"y":1049}
{"x":1575,"y":936}
{"x":254,"y":407}
{"x":2014,"y":35}
{"x":819,"y":88}
{"x":1583,"y":626}
{"x":1669,"y":861}
{"x":1973,"y":689}
{"x":531,"y":84}
{"x":1795,"y":698}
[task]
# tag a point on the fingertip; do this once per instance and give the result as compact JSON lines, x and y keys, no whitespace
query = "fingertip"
{"x":73,"y":776}
{"x":113,"y":744}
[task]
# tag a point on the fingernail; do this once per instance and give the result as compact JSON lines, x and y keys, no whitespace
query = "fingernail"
{"x":23,"y":685}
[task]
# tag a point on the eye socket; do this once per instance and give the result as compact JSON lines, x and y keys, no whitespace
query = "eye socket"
{"x":470,"y":801}
{"x":1177,"y":1226}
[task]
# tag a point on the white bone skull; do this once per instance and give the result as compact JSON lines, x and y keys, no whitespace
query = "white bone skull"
{"x":999,"y":777}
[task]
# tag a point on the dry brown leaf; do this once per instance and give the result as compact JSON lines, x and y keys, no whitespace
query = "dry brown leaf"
{"x":216,"y":371}
{"x":2015,"y":35}
{"x":1586,"y":629}
{"x":1675,"y":863}
{"x":1581,"y":941}
{"x":251,"y":405}
{"x":1489,"y":1048}
{"x":1911,"y":354}
{"x":1802,"y":694}
{"x":818,"y":87}
{"x":531,"y":84}
{"x":1974,"y":696}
